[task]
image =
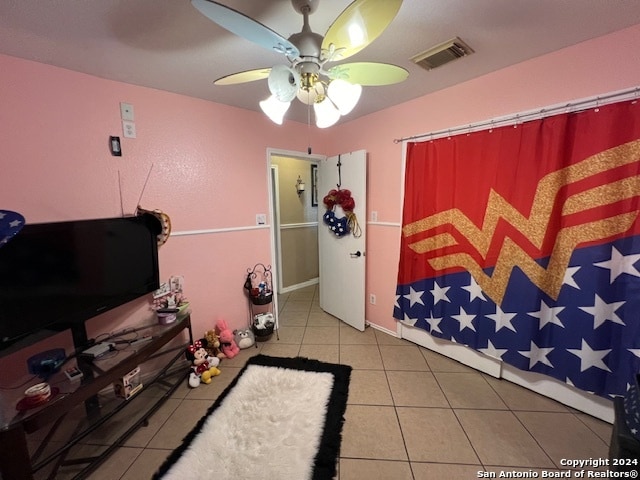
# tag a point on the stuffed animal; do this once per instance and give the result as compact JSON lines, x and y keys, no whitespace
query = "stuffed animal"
{"x":203,"y":365}
{"x":244,"y":338}
{"x":228,"y":344}
{"x":213,"y":347}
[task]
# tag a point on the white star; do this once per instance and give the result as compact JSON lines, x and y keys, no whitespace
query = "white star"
{"x":439,"y":293}
{"x":474,"y":291}
{"x":547,"y":314}
{"x":465,"y":320}
{"x":434,"y":323}
{"x":635,"y":351}
{"x":414,"y":297}
{"x":568,"y":277}
{"x":602,"y":311}
{"x":15,"y":223}
{"x":408,"y":320}
{"x":398,"y":301}
{"x":536,"y":354}
{"x":493,"y":351}
{"x":2,"y":215}
{"x":619,"y":264}
{"x":502,"y":319}
{"x":589,"y":357}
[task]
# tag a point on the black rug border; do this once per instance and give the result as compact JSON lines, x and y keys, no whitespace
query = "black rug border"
{"x":325,"y":462}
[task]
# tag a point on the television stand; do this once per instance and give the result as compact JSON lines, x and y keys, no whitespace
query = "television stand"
{"x":83,"y":406}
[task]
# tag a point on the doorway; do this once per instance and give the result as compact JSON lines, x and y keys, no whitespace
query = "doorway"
{"x":294,"y":219}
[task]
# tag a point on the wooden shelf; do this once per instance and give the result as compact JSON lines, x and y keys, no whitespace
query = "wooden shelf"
{"x":17,"y":463}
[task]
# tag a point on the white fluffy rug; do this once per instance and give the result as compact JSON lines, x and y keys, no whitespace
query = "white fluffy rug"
{"x":279,"y":419}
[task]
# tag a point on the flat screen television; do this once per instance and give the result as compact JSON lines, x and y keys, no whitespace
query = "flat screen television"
{"x":55,"y":276}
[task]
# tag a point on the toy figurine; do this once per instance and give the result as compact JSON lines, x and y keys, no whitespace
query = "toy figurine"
{"x":213,"y":347}
{"x":228,"y":344}
{"x":203,"y":365}
{"x":244,"y":338}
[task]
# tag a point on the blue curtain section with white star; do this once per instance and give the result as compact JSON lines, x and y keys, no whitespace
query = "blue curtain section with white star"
{"x":10,"y":224}
{"x":523,"y":242}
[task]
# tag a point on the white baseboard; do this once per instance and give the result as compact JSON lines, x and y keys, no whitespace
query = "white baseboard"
{"x":456,"y":351}
{"x":381,"y":329}
{"x":298,"y":286}
{"x":593,"y":405}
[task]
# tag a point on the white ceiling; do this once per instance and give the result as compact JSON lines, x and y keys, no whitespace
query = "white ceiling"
{"x":169,"y":45}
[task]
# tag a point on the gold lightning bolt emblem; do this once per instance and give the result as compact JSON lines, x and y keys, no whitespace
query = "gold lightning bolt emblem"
{"x":534,"y":227}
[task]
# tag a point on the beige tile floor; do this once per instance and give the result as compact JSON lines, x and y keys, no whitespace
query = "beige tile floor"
{"x":411,"y":414}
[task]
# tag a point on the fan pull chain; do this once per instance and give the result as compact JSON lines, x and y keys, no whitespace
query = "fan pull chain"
{"x":308,"y":124}
{"x":339,"y":173}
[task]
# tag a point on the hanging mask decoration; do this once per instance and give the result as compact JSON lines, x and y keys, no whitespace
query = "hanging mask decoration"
{"x":162,"y":224}
{"x":344,"y":225}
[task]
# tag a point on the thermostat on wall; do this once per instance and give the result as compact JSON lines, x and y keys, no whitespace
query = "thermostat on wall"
{"x":114,"y":146}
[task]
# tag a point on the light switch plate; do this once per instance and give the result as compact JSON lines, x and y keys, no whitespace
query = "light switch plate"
{"x":126,"y":111}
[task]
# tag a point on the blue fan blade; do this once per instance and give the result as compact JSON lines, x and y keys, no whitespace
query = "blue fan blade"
{"x":245,"y":27}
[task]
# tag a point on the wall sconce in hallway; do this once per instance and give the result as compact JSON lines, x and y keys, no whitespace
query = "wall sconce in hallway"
{"x":299,"y":186}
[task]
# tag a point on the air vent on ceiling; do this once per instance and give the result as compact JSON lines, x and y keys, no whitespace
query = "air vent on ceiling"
{"x":444,"y":53}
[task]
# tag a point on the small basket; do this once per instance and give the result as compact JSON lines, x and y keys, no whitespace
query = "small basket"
{"x":263,"y":334}
{"x":261,"y":299}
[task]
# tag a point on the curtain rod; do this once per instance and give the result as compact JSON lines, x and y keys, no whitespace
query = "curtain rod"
{"x":627,"y":94}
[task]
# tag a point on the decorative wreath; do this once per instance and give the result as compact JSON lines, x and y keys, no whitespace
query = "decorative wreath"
{"x":344,"y":225}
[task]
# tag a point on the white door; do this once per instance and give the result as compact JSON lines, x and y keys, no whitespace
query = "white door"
{"x":342,"y":259}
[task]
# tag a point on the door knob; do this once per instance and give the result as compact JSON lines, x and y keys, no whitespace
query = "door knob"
{"x":355,"y":255}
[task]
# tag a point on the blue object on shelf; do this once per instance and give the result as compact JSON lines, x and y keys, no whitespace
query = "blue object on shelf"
{"x":45,"y":364}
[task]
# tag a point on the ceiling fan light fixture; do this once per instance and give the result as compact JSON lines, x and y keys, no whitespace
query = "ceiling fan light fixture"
{"x":326,"y":113}
{"x":310,"y":95}
{"x":283,"y":83}
{"x":344,"y":95}
{"x":308,"y":80}
{"x":274,"y":109}
{"x":307,"y":52}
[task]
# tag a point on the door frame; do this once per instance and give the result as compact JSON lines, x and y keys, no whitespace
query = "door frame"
{"x":274,"y":217}
{"x":274,"y":214}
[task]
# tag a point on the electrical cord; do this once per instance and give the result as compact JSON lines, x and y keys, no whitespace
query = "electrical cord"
{"x":2,"y":387}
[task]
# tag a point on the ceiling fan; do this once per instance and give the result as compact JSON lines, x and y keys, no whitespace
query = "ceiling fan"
{"x":332,"y":91}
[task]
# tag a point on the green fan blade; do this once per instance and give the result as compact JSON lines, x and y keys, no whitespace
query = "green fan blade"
{"x":369,"y":73}
{"x":243,"y":77}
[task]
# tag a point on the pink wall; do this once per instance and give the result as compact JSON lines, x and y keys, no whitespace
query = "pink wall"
{"x":592,"y":68}
{"x":209,"y":171}
{"x":210,"y":160}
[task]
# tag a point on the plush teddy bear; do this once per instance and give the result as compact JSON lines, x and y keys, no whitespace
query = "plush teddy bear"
{"x":203,"y":365}
{"x":244,"y":338}
{"x":213,"y":347}
{"x":228,"y":344}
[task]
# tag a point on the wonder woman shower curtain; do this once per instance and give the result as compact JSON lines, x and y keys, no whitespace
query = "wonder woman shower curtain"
{"x":523,"y":242}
